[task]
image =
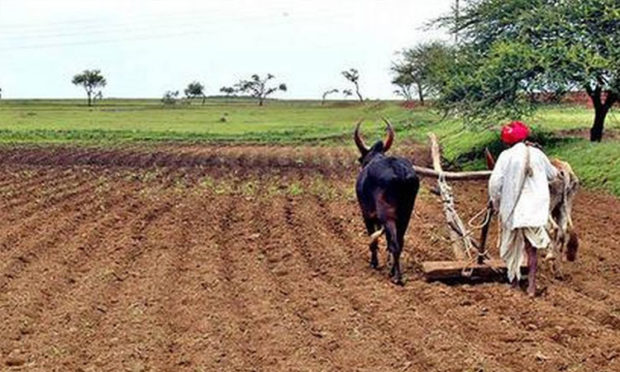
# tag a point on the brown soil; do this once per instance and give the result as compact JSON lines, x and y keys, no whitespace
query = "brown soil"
{"x":254,"y":258}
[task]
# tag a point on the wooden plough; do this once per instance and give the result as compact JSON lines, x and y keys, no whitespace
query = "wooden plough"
{"x":472,"y":261}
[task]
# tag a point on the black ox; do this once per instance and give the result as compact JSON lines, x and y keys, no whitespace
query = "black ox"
{"x":386,"y":190}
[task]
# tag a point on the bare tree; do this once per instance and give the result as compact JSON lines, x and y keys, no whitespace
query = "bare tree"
{"x":353,"y":76}
{"x":327,"y":93}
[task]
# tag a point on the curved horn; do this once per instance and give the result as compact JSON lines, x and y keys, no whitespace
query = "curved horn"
{"x":358,"y":139}
{"x":390,"y":135}
{"x":489,"y":158}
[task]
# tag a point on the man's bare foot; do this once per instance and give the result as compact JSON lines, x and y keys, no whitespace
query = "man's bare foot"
{"x":531,"y":292}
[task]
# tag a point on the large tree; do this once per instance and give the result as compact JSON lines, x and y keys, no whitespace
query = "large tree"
{"x":414,"y":71}
{"x":354,"y":77}
{"x":90,"y":80}
{"x":258,"y":87}
{"x":510,"y":49}
{"x":195,"y":90}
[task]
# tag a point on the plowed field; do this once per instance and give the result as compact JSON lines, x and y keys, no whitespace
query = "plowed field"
{"x":255,"y":258}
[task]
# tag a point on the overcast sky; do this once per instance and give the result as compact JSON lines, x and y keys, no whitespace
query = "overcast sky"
{"x":145,"y":47}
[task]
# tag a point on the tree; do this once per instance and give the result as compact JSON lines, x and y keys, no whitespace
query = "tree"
{"x":170,"y":97}
{"x":327,"y":93}
{"x":90,"y":80}
{"x":509,"y":49}
{"x":416,"y":70}
{"x":354,"y":76}
{"x":404,"y":81}
{"x":228,"y":91}
{"x":347,"y":93}
{"x":194,"y":90}
{"x":257,"y":87}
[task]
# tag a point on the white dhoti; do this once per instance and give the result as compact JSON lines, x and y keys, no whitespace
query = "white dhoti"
{"x":512,"y":248}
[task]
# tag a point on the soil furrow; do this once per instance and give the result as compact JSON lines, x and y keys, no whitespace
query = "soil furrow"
{"x":340,"y":273}
{"x":96,"y":307}
{"x":20,"y":225}
{"x":50,"y":282}
{"x":24,"y":195}
{"x":20,"y":208}
{"x":21,"y":248}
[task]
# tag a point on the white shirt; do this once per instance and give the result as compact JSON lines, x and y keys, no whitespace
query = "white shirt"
{"x":532,"y":207}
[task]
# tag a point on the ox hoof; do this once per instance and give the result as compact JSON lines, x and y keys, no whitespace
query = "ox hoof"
{"x":374,"y":263}
{"x":393,"y":272}
{"x":398,"y":281}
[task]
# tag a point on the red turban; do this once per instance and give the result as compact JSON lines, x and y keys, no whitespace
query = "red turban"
{"x":514,"y":132}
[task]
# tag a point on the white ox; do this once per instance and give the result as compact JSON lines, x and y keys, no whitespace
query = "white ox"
{"x":560,"y":227}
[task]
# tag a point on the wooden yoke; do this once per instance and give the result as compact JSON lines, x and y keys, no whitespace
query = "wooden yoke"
{"x":453,"y":176}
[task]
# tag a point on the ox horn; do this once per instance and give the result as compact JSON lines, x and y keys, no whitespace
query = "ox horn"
{"x":390,"y":135}
{"x":358,"y":139}
{"x":489,"y":158}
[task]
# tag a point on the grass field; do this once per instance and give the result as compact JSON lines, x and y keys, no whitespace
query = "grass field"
{"x":147,"y":120}
{"x":114,"y":122}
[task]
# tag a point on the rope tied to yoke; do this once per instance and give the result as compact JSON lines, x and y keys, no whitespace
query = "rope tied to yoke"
{"x":483,"y":251}
{"x":455,"y":222}
{"x":487,"y":217}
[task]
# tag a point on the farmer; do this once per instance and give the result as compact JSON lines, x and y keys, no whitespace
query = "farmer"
{"x":519,"y":190}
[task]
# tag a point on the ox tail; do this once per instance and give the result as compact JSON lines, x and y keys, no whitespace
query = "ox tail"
{"x":376,"y":235}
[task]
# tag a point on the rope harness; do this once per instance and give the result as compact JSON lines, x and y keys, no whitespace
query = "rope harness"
{"x":455,"y":221}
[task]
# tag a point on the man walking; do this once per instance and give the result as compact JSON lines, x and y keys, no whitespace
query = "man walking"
{"x":519,"y":190}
